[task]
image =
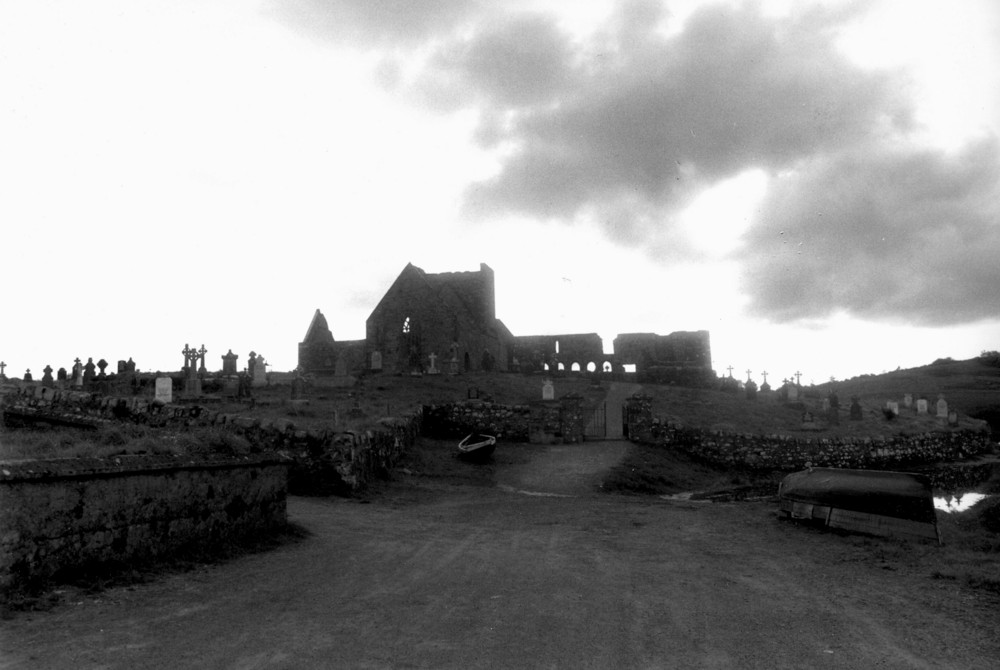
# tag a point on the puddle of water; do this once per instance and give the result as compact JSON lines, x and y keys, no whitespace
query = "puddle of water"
{"x":958,"y":503}
{"x":542,"y":494}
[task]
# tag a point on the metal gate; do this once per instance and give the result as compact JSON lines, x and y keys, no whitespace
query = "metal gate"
{"x":597,"y":425}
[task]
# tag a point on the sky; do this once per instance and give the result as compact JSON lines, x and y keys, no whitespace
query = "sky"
{"x":815,"y":183}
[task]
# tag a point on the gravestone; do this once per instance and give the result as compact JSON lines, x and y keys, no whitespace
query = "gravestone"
{"x":376,"y":361}
{"x":297,"y":385}
{"x":908,"y":400}
{"x":892,"y":406}
{"x":88,"y":371}
{"x":952,"y":418}
{"x":793,"y":393}
{"x":102,"y":364}
{"x":27,"y":375}
{"x":808,"y":421}
{"x":2,"y":367}
{"x":61,"y":375}
{"x":942,"y":407}
{"x":229,"y":363}
{"x":856,"y":413}
{"x":260,"y":372}
{"x":751,"y":390}
{"x":921,"y":405}
{"x":433,"y":370}
{"x":164,"y":390}
{"x":121,"y":367}
{"x":47,"y":377}
{"x":548,"y":390}
{"x":826,"y":405}
{"x":130,"y":366}
{"x":833,"y":415}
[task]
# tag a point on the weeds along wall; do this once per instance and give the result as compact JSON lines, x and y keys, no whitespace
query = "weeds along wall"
{"x":67,"y":515}
{"x":321,"y":461}
{"x":782,"y":452}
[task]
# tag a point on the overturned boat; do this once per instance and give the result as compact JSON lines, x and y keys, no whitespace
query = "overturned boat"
{"x":477,"y":447}
{"x":890,"y":504}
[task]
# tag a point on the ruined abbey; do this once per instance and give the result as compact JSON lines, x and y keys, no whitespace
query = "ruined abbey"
{"x":446,"y":323}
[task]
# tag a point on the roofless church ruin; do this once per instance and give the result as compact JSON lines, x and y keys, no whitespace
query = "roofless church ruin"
{"x":446,"y":323}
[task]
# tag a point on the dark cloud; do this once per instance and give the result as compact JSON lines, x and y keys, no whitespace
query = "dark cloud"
{"x":892,"y":234}
{"x":636,"y":120}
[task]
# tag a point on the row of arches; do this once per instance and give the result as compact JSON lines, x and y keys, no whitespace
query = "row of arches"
{"x":575,"y":367}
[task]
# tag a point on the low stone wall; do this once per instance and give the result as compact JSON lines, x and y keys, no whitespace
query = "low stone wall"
{"x":322,"y":461}
{"x":62,"y":515}
{"x":782,"y":452}
{"x":562,"y":420}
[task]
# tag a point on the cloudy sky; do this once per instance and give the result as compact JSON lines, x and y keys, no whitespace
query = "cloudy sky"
{"x":815,"y":183}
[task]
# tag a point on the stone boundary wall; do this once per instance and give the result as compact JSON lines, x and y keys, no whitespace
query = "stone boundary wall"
{"x":322,"y":461}
{"x":787,"y":453}
{"x":58,"y":516}
{"x":542,"y":421}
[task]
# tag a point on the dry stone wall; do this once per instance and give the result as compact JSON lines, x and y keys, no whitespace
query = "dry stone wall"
{"x":323,"y":461}
{"x":62,"y":515}
{"x":540,"y":421}
{"x":784,"y":452}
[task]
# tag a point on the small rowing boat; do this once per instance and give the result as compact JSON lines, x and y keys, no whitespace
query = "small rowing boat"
{"x":477,"y":447}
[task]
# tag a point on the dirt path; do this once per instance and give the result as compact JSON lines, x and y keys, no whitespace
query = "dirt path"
{"x":440,"y":575}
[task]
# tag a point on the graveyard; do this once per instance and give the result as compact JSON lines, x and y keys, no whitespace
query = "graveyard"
{"x":263,"y":466}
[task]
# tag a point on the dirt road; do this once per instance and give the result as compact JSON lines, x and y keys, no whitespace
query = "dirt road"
{"x":536,"y":571}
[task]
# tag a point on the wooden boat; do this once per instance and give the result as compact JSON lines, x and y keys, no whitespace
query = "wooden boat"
{"x":890,"y":504}
{"x":477,"y":447}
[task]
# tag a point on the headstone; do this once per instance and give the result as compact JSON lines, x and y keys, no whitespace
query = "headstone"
{"x":826,"y":405}
{"x":121,"y":367}
{"x":548,"y":390}
{"x":88,"y":371}
{"x":61,"y":375}
{"x":260,"y":372}
{"x":2,"y":367}
{"x":130,"y":366}
{"x":793,"y":393}
{"x":102,"y":364}
{"x":433,"y":370}
{"x":376,"y":361}
{"x":921,"y":405}
{"x":908,"y":400}
{"x":27,"y":375}
{"x":833,"y":415}
{"x":453,"y":366}
{"x":952,"y":418}
{"x":892,"y":406}
{"x":808,"y":420}
{"x":751,"y":390}
{"x":942,"y":407}
{"x":164,"y":389}
{"x":201,"y":353}
{"x":47,"y":376}
{"x":856,"y":413}
{"x":229,"y":363}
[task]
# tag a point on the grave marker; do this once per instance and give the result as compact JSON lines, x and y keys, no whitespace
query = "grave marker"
{"x":892,"y":406}
{"x":2,"y":366}
{"x":47,"y":376}
{"x":548,"y":390}
{"x":164,"y":389}
{"x":27,"y":375}
{"x":856,"y":413}
{"x":229,"y":363}
{"x":921,"y":405}
{"x":908,"y":400}
{"x":942,"y":407}
{"x":432,"y":370}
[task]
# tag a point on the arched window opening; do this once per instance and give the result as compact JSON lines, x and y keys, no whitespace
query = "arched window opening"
{"x":607,"y":366}
{"x":561,"y":367}
{"x":591,"y":366}
{"x":406,"y":325}
{"x":575,"y":367}
{"x":545,"y":366}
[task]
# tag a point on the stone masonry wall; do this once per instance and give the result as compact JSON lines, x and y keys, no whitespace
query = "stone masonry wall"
{"x":61,"y":515}
{"x":782,"y":452}
{"x":323,"y":461}
{"x":560,"y":420}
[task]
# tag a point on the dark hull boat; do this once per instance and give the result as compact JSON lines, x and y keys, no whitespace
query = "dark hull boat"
{"x":477,"y":447}
{"x":891,"y":504}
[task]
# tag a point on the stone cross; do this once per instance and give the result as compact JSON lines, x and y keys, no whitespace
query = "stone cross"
{"x":748,"y":374}
{"x":201,"y":352}
{"x":188,"y":355}
{"x":77,"y":367}
{"x":764,"y":375}
{"x":730,"y":368}
{"x":27,"y":375}
{"x":2,"y":366}
{"x":433,"y":367}
{"x":798,"y":378}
